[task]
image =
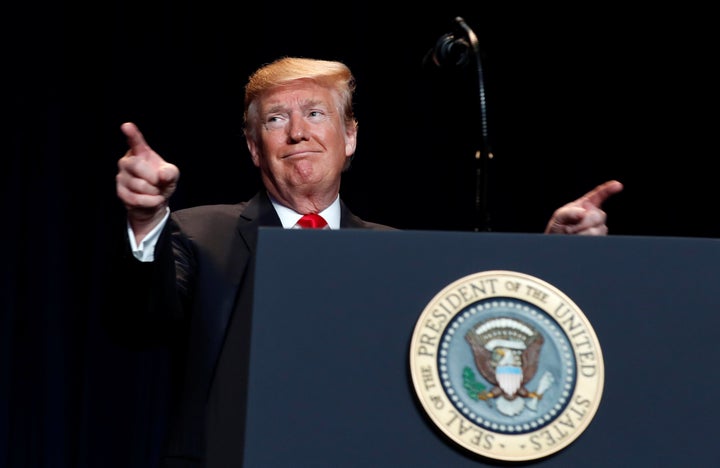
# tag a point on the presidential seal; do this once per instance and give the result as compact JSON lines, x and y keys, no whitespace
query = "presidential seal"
{"x":506,"y":366}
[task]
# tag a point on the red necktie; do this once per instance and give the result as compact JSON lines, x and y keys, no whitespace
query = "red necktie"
{"x":312,"y":221}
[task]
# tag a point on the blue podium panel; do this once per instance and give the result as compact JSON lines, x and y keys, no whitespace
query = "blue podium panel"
{"x":329,"y":382}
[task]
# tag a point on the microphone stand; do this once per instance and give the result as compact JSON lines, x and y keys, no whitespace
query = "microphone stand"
{"x":450,"y":50}
{"x":483,"y":154}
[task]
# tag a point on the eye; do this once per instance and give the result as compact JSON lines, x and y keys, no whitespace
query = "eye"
{"x":317,"y":114}
{"x":275,"y":121}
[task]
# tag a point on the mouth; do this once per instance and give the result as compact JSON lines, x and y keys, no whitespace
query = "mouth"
{"x":299,"y":154}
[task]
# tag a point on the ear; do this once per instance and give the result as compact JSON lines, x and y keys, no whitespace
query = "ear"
{"x":350,"y":140}
{"x":254,"y":153}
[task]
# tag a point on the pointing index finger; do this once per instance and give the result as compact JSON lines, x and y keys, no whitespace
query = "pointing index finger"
{"x":135,"y":138}
{"x":603,"y":191}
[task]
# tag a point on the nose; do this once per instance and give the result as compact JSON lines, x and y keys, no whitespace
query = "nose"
{"x":297,"y":130}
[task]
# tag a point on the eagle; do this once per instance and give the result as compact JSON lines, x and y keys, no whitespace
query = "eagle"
{"x":506,"y":352}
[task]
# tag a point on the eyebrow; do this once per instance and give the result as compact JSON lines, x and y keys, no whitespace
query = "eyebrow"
{"x":309,"y":103}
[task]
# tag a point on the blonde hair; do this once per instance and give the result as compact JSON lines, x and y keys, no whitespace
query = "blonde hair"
{"x":332,"y":74}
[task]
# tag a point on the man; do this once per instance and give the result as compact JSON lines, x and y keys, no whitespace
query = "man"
{"x":192,"y":270}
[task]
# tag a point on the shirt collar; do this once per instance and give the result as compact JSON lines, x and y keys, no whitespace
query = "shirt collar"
{"x":289,"y":217}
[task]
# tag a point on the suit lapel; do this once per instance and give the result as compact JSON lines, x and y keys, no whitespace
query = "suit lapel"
{"x":226,"y":399}
{"x":258,"y":212}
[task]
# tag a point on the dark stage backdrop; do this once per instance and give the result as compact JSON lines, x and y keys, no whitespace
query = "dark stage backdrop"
{"x":576,"y":95}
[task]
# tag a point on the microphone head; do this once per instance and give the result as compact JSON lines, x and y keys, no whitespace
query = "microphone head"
{"x":449,"y":51}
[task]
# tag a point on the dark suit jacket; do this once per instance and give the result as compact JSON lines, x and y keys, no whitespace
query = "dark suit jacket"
{"x":197,"y":298}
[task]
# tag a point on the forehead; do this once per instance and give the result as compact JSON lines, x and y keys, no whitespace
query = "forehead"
{"x":298,"y":93}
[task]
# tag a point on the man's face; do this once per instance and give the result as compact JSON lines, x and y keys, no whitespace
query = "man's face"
{"x":303,"y":144}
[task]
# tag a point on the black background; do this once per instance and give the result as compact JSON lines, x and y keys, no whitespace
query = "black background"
{"x":576,"y":95}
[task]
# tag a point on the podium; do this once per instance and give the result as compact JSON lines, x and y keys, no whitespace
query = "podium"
{"x":329,"y":382}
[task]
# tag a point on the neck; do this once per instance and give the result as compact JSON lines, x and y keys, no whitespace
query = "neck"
{"x":305,"y":204}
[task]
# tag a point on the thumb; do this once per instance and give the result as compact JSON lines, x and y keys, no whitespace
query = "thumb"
{"x":168,"y":174}
{"x":570,"y":214}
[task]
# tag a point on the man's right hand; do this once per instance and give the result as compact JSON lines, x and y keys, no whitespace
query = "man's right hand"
{"x":144,"y":182}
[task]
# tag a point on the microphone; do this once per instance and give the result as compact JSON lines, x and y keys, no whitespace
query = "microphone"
{"x":450,"y":50}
